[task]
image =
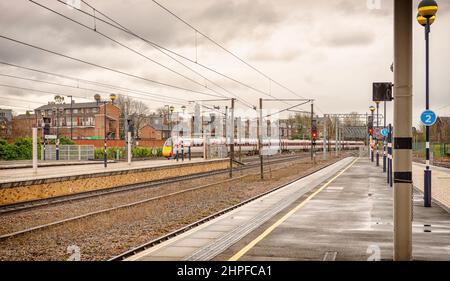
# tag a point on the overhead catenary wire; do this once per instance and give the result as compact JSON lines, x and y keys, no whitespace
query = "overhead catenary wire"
{"x":68,"y":86}
{"x":38,"y":91}
{"x":101,"y":66}
{"x":231,"y":53}
{"x":159,"y":48}
{"x":125,"y":46}
{"x":58,"y":93}
{"x":224,"y":49}
{"x":287,"y":109}
{"x":119,"y":27}
{"x":77,"y":79}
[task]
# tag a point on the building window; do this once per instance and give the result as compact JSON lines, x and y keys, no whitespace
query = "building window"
{"x":75,"y":111}
{"x":94,"y":110}
{"x":87,"y":110}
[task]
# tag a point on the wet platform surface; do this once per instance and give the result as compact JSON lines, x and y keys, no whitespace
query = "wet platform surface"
{"x":351,"y":219}
{"x":212,"y":238}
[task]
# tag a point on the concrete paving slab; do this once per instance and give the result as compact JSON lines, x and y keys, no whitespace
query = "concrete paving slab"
{"x":440,"y":183}
{"x":237,"y":222}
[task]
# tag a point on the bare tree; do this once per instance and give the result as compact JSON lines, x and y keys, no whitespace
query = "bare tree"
{"x":136,"y":110}
{"x":353,"y":120}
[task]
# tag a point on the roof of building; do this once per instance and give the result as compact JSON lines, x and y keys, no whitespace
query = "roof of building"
{"x":25,"y":116}
{"x":444,"y":119}
{"x":67,"y":105}
{"x":160,"y":127}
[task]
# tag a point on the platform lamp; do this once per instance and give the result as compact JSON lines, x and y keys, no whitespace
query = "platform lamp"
{"x":426,"y":16}
{"x":98,"y":99}
{"x":61,"y":112}
{"x":372,"y":110}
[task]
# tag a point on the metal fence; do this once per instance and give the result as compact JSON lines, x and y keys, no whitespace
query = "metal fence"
{"x":438,"y":151}
{"x":69,"y":152}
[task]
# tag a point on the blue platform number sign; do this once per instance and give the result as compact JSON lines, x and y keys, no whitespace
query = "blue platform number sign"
{"x":428,"y":118}
{"x":384,"y":132}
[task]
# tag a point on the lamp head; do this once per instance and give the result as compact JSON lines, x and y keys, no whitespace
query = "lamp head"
{"x":427,"y":8}
{"x":171,"y":108}
{"x":97,"y":98}
{"x":423,"y":20}
{"x":372,"y":108}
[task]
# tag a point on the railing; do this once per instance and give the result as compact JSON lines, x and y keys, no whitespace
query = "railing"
{"x":438,"y":151}
{"x":69,"y":152}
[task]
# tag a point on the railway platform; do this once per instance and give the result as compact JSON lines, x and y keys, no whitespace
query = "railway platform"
{"x":21,"y":164}
{"x":342,"y":212}
{"x":69,"y":169}
{"x":23,"y":185}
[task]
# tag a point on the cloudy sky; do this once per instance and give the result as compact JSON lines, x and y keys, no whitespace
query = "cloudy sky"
{"x":331,"y":51}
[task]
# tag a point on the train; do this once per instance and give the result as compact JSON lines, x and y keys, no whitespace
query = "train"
{"x":194,"y":146}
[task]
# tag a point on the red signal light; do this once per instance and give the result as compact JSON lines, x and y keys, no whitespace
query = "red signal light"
{"x":370,"y":130}
{"x":314,"y":135}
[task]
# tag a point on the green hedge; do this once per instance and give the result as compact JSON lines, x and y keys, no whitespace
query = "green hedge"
{"x":138,"y":152}
{"x":21,"y":149}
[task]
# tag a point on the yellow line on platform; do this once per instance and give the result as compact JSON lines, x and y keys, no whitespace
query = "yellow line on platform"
{"x":249,"y":246}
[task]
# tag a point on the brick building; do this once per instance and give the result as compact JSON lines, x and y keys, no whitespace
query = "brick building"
{"x":22,"y":125}
{"x":86,"y":120}
{"x":5,"y":123}
{"x":149,"y":133}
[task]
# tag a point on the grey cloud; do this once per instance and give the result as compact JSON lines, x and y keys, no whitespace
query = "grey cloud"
{"x":286,"y":39}
{"x":272,"y":55}
{"x":236,"y":19}
{"x":346,"y":39}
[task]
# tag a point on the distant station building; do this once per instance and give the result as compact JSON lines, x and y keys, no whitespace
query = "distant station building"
{"x":85,"y":120}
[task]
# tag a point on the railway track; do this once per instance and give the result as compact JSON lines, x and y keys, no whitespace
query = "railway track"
{"x":184,"y":229}
{"x":22,"y":206}
{"x":107,"y":210}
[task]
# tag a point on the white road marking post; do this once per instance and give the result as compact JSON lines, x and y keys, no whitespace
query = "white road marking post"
{"x":35,"y":151}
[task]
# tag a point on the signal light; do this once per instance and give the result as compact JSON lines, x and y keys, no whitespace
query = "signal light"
{"x":314,"y":129}
{"x":370,"y":131}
